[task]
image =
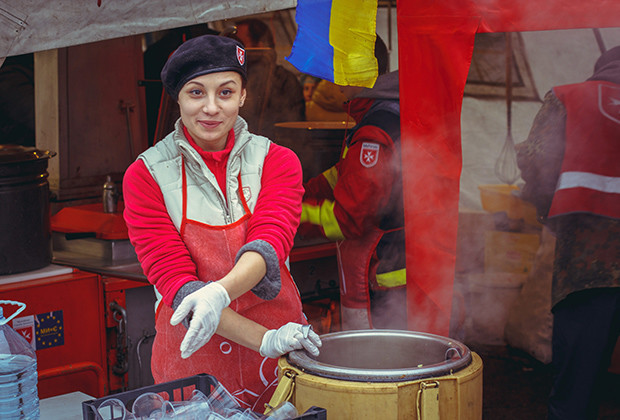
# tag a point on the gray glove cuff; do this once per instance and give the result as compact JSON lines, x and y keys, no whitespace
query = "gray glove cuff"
{"x":185,"y":290}
{"x":269,"y":286}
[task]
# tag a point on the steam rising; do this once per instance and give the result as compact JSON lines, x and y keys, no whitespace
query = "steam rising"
{"x":554,"y":58}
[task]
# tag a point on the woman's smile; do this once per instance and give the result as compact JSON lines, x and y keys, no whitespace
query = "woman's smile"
{"x":210,"y":124}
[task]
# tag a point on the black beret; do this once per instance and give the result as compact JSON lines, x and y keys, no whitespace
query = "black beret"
{"x":202,"y":55}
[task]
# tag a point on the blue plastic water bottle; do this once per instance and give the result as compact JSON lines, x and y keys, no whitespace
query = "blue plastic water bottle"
{"x":18,"y":372}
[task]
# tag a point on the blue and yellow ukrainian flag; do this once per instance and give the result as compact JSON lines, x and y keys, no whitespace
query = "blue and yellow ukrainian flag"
{"x":335,"y":41}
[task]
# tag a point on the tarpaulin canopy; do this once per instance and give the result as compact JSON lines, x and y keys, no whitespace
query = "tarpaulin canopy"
{"x":435,"y":49}
{"x":36,"y":25}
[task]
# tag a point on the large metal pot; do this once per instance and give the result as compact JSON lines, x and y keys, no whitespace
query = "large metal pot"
{"x":25,"y":233}
{"x":383,"y":356}
{"x":386,"y":374}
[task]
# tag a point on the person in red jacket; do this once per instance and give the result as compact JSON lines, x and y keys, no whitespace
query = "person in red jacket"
{"x":211,"y":210}
{"x":569,"y":163}
{"x":358,"y":203}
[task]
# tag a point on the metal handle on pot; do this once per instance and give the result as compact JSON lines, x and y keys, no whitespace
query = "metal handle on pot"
{"x":450,"y":353}
{"x":428,"y":401}
{"x":283,"y":392}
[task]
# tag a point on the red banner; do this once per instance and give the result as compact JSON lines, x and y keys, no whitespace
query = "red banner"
{"x":434,"y":63}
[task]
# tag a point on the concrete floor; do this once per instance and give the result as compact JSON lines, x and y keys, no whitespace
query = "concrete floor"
{"x":516,"y":386}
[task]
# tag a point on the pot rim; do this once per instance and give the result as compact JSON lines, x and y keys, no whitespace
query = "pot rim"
{"x":304,"y":361}
{"x":11,"y":153}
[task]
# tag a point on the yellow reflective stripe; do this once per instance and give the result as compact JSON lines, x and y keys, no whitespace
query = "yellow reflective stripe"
{"x":309,"y":214}
{"x":330,"y":224}
{"x":344,"y":152}
{"x":392,"y":278}
{"x":331,"y":175}
{"x":323,"y":216}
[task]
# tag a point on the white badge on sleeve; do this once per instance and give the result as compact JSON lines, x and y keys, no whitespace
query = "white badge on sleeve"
{"x":369,"y":155}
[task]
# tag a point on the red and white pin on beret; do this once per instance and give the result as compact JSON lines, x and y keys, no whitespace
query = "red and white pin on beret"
{"x":240,"y":55}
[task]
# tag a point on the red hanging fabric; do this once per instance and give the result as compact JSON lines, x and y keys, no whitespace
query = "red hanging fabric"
{"x":433,"y":71}
{"x":524,"y":15}
{"x":433,"y":64}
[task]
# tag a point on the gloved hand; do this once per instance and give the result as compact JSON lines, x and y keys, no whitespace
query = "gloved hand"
{"x":206,"y":305}
{"x":289,"y":337}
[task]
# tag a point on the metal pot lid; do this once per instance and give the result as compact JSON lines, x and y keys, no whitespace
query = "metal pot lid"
{"x":12,"y":153}
{"x":383,"y":356}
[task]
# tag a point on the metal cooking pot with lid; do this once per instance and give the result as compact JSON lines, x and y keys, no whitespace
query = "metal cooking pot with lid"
{"x":383,"y":356}
{"x":384,"y":374}
{"x":18,"y":160}
{"x":24,"y":209}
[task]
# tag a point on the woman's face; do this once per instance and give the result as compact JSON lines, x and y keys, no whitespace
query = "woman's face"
{"x":209,"y":106}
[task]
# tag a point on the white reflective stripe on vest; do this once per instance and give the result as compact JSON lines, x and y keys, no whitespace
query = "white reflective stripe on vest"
{"x":602,"y":183}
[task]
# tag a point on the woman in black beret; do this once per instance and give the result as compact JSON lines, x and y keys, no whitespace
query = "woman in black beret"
{"x":212,"y":210}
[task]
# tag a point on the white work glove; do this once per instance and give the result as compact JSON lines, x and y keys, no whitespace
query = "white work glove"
{"x":206,"y":306}
{"x":289,"y":337}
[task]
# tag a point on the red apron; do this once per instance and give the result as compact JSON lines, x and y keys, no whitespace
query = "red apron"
{"x":243,"y":372}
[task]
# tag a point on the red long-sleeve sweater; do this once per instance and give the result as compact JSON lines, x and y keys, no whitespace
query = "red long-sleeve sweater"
{"x":160,"y":249}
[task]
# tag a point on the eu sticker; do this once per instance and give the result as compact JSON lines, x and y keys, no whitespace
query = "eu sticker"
{"x":50,"y":330}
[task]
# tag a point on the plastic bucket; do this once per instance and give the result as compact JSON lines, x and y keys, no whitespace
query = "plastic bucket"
{"x":501,"y":198}
{"x":384,"y":374}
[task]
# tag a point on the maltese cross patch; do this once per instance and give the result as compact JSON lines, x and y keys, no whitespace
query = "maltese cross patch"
{"x":369,"y":154}
{"x":609,"y":102}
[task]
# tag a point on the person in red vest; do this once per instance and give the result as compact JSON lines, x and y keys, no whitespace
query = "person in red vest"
{"x":358,"y":203}
{"x":212,"y":210}
{"x":570,"y":163}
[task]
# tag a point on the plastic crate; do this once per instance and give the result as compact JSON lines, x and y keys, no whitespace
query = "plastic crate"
{"x":178,"y":390}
